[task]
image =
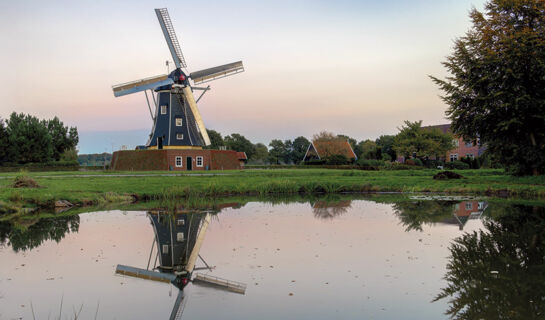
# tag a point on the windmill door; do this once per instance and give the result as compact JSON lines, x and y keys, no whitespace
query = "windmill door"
{"x":160,"y":143}
{"x":189,"y":163}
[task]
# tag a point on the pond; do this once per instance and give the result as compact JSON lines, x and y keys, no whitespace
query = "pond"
{"x":325,"y":258}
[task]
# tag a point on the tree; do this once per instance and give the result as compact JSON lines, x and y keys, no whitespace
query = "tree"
{"x":386,"y":143}
{"x":28,"y":139}
{"x":413,"y":140}
{"x":216,"y":141}
{"x":62,"y":138}
{"x":261,"y":154}
{"x":299,"y":148}
{"x":496,"y":88}
{"x":239,"y":143}
{"x":3,"y":142}
{"x":277,"y":151}
{"x":367,"y":149}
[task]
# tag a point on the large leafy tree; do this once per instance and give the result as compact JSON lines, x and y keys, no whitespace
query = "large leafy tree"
{"x":413,"y":140}
{"x":3,"y":142}
{"x":496,"y":87}
{"x":62,"y":138}
{"x":386,"y":143}
{"x":28,"y":139}
{"x":261,"y":154}
{"x":216,"y":140}
{"x":239,"y":143}
{"x":277,"y":151}
{"x":298,"y":149}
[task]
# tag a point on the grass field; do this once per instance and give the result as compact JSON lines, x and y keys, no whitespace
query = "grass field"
{"x":99,"y":187}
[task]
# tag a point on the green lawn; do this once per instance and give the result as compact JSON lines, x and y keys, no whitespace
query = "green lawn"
{"x":94,"y":187}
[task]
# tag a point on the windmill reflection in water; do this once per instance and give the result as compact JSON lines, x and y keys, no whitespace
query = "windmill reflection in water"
{"x":176,"y":244}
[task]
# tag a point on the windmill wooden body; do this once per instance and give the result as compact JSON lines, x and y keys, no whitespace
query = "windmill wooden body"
{"x":177,"y":123}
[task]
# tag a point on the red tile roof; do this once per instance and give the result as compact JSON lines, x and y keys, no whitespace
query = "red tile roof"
{"x":242,"y":156}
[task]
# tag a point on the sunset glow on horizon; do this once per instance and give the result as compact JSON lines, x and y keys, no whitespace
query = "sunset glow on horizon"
{"x":358,"y":68}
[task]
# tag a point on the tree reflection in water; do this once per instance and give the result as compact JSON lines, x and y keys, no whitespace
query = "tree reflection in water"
{"x":330,"y":208}
{"x":22,"y":237}
{"x":498,"y":273}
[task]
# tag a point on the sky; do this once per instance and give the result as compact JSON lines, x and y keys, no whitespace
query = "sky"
{"x":358,"y":68}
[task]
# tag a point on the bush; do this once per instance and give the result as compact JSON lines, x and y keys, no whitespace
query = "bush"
{"x":386,"y":157}
{"x":429,"y":163}
{"x":315,"y":162}
{"x":370,"y":163}
{"x":457,"y":165}
{"x":400,"y":166}
{"x":418,"y":162}
{"x":336,"y":159}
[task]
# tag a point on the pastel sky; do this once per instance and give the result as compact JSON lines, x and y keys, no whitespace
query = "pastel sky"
{"x":354,"y":67}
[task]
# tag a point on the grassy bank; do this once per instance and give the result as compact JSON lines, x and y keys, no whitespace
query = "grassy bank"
{"x":91,"y":188}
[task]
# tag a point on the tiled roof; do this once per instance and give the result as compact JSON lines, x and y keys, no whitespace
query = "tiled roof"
{"x":443,"y":127}
{"x":242,"y":156}
{"x":326,"y":148}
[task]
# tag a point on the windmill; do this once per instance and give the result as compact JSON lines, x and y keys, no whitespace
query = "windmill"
{"x":177,"y":123}
{"x":178,"y":238}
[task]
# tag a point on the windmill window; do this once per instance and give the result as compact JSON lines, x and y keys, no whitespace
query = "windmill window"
{"x":199,"y":161}
{"x":163,"y":109}
{"x":165,"y":248}
{"x":179,"y":136}
{"x":180,"y":222}
{"x":180,"y":236}
{"x":178,"y":161}
{"x":179,"y":122}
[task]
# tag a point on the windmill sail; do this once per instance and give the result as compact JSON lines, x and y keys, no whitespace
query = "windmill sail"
{"x":170,"y":37}
{"x":188,"y":94}
{"x":218,"y":72}
{"x":141,"y":85}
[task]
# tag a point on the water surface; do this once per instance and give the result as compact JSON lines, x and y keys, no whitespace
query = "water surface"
{"x":322,"y":259}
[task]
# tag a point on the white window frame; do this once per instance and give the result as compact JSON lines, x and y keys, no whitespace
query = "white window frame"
{"x":179,"y":136}
{"x":201,"y":161}
{"x":470,"y":155}
{"x":456,"y":142}
{"x":453,"y":157}
{"x":164,"y":109}
{"x":469,"y":205}
{"x":176,"y":161}
{"x":179,"y":122}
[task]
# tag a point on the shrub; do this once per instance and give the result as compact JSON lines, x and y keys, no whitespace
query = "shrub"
{"x":370,"y":163}
{"x":386,"y":157}
{"x":336,"y":159}
{"x":418,"y":162}
{"x":456,"y":165}
{"x":315,"y":162}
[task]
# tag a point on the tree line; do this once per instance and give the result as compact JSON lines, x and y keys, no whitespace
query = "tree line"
{"x":27,"y":139}
{"x":293,"y":151}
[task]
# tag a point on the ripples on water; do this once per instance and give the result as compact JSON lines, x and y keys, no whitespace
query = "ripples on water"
{"x":326,"y":258}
